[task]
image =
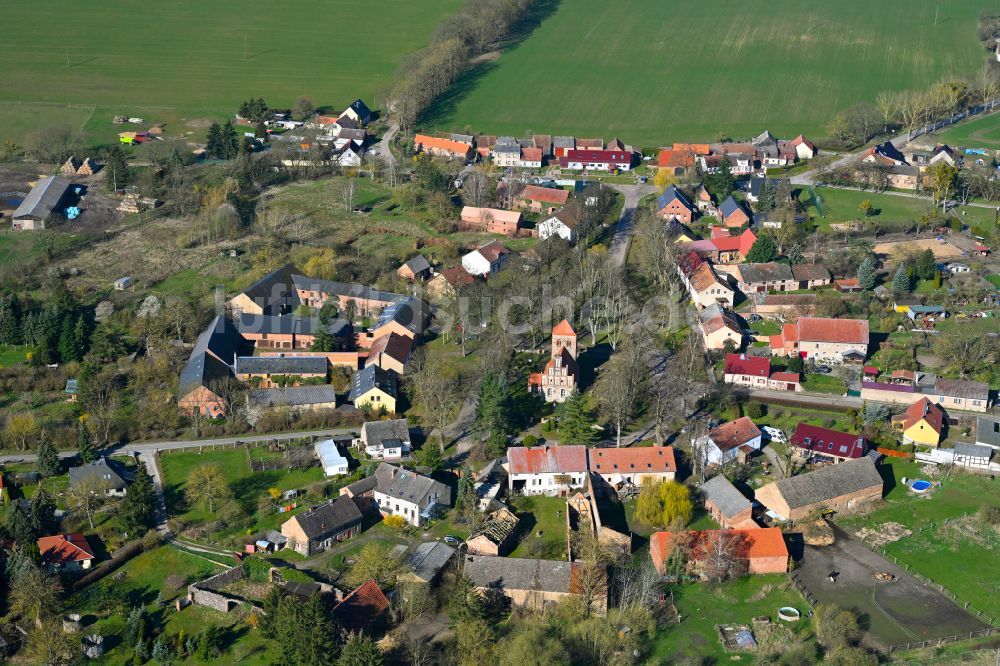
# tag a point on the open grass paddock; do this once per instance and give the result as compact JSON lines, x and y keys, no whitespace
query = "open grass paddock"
{"x":185,"y":60}
{"x":655,"y":72}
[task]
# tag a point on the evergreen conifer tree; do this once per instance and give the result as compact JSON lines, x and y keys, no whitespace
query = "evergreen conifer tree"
{"x":901,"y":280}
{"x":866,"y":273}
{"x":48,"y":460}
{"x":84,"y":446}
{"x":137,"y":511}
{"x":576,"y":420}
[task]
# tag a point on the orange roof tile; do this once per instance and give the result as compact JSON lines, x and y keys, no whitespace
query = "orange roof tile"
{"x":563,"y":328}
{"x":754,"y":543}
{"x":361,"y":607}
{"x":423,"y":141}
{"x":544,"y":194}
{"x":821,"y":329}
{"x":735,"y":433}
{"x":64,"y":548}
{"x":646,"y":459}
{"x":547,"y":459}
{"x":696,"y":148}
{"x":926,"y":410}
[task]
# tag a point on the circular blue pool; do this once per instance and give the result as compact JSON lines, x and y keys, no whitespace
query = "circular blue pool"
{"x":921,"y":486}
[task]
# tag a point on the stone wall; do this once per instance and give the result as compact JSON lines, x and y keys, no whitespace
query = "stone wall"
{"x":206,"y":592}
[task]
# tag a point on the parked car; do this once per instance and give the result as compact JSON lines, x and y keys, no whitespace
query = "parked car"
{"x":452,"y":540}
{"x":774,"y":435}
{"x":823,"y":369}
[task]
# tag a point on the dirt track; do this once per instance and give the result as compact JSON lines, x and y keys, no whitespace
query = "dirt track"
{"x":941,"y":250}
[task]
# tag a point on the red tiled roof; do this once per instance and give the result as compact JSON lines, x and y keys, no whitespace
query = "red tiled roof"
{"x":544,"y":194}
{"x":801,"y":139}
{"x":361,"y":607}
{"x":596,"y":156}
{"x":735,"y":433}
{"x":703,"y":277}
{"x":531,"y":154}
{"x":742,"y":243}
{"x":720,"y":232}
{"x":547,"y":459}
{"x":590,"y":144}
{"x":926,"y":410}
{"x":563,"y":328}
{"x":696,"y":148}
{"x":457,"y":147}
{"x":871,"y":370}
{"x":394,"y":345}
{"x":786,"y":377}
{"x":829,"y":442}
{"x":457,"y":275}
{"x":820,"y":329}
{"x":741,"y":364}
{"x":675,"y":159}
{"x":493,"y":251}
{"x":633,"y":459}
{"x":763,"y":542}
{"x":64,"y":548}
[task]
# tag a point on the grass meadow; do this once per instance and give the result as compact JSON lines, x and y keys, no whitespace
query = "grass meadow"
{"x":655,"y":72}
{"x":979,"y":133}
{"x":180,"y":61}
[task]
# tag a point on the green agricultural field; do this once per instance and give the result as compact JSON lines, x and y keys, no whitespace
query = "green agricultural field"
{"x":980,"y":133}
{"x":655,"y":72}
{"x":836,"y":206}
{"x":182,"y":61}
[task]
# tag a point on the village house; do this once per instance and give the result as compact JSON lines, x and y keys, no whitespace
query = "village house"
{"x":374,"y":389}
{"x":543,"y":200}
{"x":961,"y":394}
{"x":823,"y":445}
{"x":558,"y":378}
{"x":333,"y":462}
{"x":531,"y":158}
{"x":676,"y":162}
{"x":447,"y":283}
{"x":823,"y":339}
{"x":295,"y":399}
{"x":400,"y":492}
{"x":271,"y":371}
{"x":705,"y":286}
{"x":384,"y":440}
{"x":719,"y":326}
{"x":756,"y":185}
{"x":671,"y":204}
{"x":746,"y":551}
{"x":972,"y":455}
{"x":903,"y":177}
{"x":987,"y":432}
{"x":317,"y":529}
{"x":506,"y":152}
{"x":113,"y":474}
{"x":391,"y":352}
{"x":748,"y":371}
{"x":562,"y":223}
{"x":704,"y":200}
{"x":732,"y":214}
{"x":622,"y":467}
{"x":486,"y":260}
{"x":843,"y":488}
{"x":417,"y":268}
{"x":365,"y":301}
{"x":922,"y":423}
{"x":42,"y":202}
{"x":289,"y":331}
{"x":495,"y":536}
{"x":784,"y":381}
{"x":528,"y":583}
{"x":273,"y":294}
{"x":785,"y":306}
{"x":596,"y":160}
{"x":65,"y":552}
{"x":762,"y":278}
{"x":491,"y":220}
{"x":359,"y":112}
{"x":811,"y":276}
{"x":207,"y":369}
{"x":561,"y":145}
{"x":804,"y":148}
{"x":727,"y":505}
{"x":884,"y":154}
{"x":425,"y":564}
{"x":442,"y":147}
{"x":725,"y":249}
{"x":729,"y":441}
{"x":406,"y":317}
{"x":546,"y":470}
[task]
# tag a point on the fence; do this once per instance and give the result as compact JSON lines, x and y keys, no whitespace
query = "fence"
{"x":803,"y":590}
{"x":916,"y":645}
{"x":892,"y":453}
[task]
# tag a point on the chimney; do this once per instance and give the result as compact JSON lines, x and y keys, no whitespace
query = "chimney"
{"x":743,"y":356}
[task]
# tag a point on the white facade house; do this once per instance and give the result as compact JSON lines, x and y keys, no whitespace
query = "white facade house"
{"x":722,"y":445}
{"x":956,"y":267}
{"x":400,"y":492}
{"x":546,"y":470}
{"x":562,"y":223}
{"x":486,"y":260}
{"x":333,"y":462}
{"x":385,"y":440}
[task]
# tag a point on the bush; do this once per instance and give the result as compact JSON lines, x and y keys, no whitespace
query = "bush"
{"x":395,"y":522}
{"x":530,"y":440}
{"x":756,"y":410}
{"x":990,"y":515}
{"x":256,"y":569}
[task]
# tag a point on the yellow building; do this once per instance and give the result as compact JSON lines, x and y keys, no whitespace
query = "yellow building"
{"x":921,"y":423}
{"x":374,"y":388}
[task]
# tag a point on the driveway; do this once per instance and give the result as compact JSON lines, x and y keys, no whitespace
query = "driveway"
{"x":618,"y":250}
{"x":893,"y":613}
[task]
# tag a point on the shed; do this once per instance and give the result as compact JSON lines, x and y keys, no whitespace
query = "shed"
{"x":123,"y":283}
{"x":973,"y":455}
{"x":43,"y":199}
{"x":427,"y":562}
{"x":333,"y":462}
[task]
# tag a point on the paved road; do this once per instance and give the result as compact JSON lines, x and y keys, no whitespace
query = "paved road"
{"x":817,"y":400}
{"x":382,"y":148}
{"x":618,"y":250}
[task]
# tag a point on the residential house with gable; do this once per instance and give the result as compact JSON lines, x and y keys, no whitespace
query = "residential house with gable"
{"x":849,"y":486}
{"x":546,"y":470}
{"x":732,"y":214}
{"x":562,"y":223}
{"x":207,"y":369}
{"x":384,"y":440}
{"x":374,"y":388}
{"x":486,"y":260}
{"x":765,"y":278}
{"x":823,"y":339}
{"x":631,"y":466}
{"x":824,"y":445}
{"x":596,"y":160}
{"x":443,"y":147}
{"x":727,"y":505}
{"x":922,"y":423}
{"x":718,"y":326}
{"x":544,"y":200}
{"x":415,"y":497}
{"x":724,"y":444}
{"x":317,"y":529}
{"x":491,"y":220}
{"x":671,"y":204}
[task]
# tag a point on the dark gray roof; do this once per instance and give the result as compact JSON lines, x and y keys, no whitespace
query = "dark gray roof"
{"x":803,"y":272}
{"x":329,"y":518}
{"x":368,"y":378}
{"x":201,"y":370}
{"x":418,"y":264}
{"x":408,"y":312}
{"x":563,"y":142}
{"x":221,"y":339}
{"x":669,"y":195}
{"x":973,"y":450}
{"x":770,"y":272}
{"x":361,"y":109}
{"x":988,"y":432}
{"x":960,"y":388}
{"x":403,"y":484}
{"x":725,"y":496}
{"x":512,"y":573}
{"x":362,"y":486}
{"x":288,"y":324}
{"x":280,"y":365}
{"x":730,"y":206}
{"x":344,"y":289}
{"x":827,"y":483}
{"x":358,"y":135}
{"x":274,"y":291}
{"x":115,"y":473}
{"x":43,"y":198}
{"x":297,"y":396}
{"x":428,"y":559}
{"x":757,"y":184}
{"x":375,"y":432}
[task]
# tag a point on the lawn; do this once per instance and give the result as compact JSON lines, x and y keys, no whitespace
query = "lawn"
{"x":11,"y":356}
{"x":542,"y":530}
{"x":979,"y":133}
{"x":817,"y":383}
{"x":179,"y":62}
{"x":655,"y":72}
{"x":837,"y":206}
{"x":703,"y":605}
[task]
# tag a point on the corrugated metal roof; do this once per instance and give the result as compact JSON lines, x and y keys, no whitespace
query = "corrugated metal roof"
{"x":43,"y":198}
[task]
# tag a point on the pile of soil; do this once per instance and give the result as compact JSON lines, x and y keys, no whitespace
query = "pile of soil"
{"x":883,"y":534}
{"x":817,"y":533}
